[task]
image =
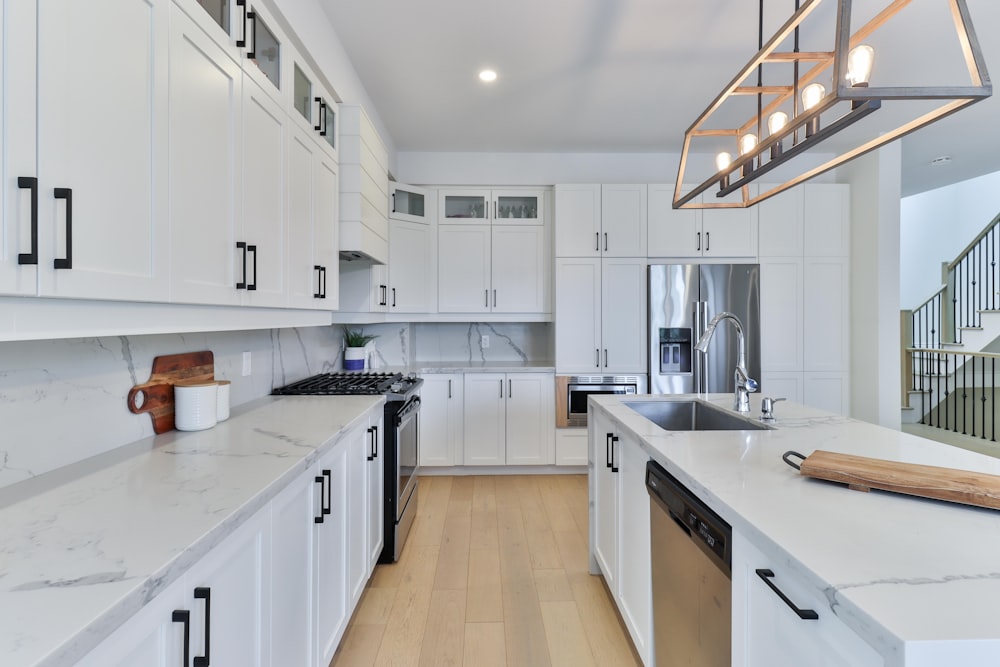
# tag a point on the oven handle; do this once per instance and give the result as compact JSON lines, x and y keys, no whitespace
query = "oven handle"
{"x":410,"y":407}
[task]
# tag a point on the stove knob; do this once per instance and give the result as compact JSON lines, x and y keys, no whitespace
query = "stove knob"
{"x":396,"y":387}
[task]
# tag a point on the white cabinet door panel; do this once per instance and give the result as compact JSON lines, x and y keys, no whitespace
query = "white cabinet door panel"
{"x":530,"y":418}
{"x":782,"y":385}
{"x":635,"y":579}
{"x":827,"y":391}
{"x":623,"y":220}
{"x":578,"y":315}
{"x":672,"y":232}
{"x":376,"y":490}
{"x":326,"y":233}
{"x":826,"y":313}
{"x":604,"y":490}
{"x":111,"y":157}
{"x":780,"y":224}
{"x":205,"y":116}
{"x":485,"y":420}
{"x":265,"y":144}
{"x":441,"y":420}
{"x":18,"y":125}
{"x":330,"y":596}
{"x":623,"y":316}
{"x":571,"y":447}
{"x":519,"y":269}
{"x":578,"y":220}
{"x":292,"y":513}
{"x":463,"y":268}
{"x":827,"y":220}
{"x":730,"y":232}
{"x":781,"y":314}
{"x":303,"y":156}
{"x":412,"y":262}
{"x":358,"y":440}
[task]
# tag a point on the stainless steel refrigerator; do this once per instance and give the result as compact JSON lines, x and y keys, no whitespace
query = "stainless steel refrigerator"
{"x":683,"y":298}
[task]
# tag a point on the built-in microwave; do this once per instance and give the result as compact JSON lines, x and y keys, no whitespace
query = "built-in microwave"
{"x":572,"y":392}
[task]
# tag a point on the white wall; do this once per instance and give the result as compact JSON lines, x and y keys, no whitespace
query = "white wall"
{"x":875,"y":181}
{"x":937,"y":225}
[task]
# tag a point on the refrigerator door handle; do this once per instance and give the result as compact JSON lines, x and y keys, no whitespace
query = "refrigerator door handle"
{"x":696,"y":317}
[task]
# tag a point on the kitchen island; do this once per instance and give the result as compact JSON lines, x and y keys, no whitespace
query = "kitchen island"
{"x":916,"y":581}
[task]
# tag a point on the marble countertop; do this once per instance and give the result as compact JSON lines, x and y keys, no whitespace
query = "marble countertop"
{"x":908,"y":574}
{"x":82,"y":556}
{"x":429,"y":367}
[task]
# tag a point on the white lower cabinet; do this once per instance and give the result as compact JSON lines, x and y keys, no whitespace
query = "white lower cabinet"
{"x":509,"y":419}
{"x":769,"y":631}
{"x":571,"y":447}
{"x":620,"y":528}
{"x":441,"y":420}
{"x":281,"y":589}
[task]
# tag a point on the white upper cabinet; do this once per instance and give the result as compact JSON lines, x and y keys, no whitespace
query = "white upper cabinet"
{"x":412,"y":273}
{"x":826,"y":220}
{"x":780,"y":224}
{"x":692,"y":233}
{"x":263,"y":51}
{"x":472,"y":206}
{"x":519,"y":275}
{"x":18,"y":241}
{"x":205,"y":118}
{"x":464,"y":268}
{"x":601,"y":220}
{"x":99,"y":183}
{"x":408,"y":203}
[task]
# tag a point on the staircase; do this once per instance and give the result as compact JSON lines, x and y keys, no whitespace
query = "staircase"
{"x":950,"y":374}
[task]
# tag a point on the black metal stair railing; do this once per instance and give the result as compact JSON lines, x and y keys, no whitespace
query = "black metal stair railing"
{"x":958,"y":390}
{"x":972,"y":282}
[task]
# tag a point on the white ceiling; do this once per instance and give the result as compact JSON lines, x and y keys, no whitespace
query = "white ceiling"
{"x":616,"y":76}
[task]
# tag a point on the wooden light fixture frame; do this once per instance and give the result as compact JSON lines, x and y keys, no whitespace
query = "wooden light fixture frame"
{"x":864,"y":101}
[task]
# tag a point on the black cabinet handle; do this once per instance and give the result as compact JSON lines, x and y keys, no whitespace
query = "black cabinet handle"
{"x":699,"y":242}
{"x":252,"y":286}
{"x":322,"y":490}
{"x":319,"y":114}
{"x":805,"y":614}
{"x":253,"y":34}
{"x":66,"y":262}
{"x":329,"y":484}
{"x":614,"y":439}
{"x":393,"y":297}
{"x":449,"y":388}
{"x":708,"y":241}
{"x":597,"y":242}
{"x":318,"y":294}
{"x":607,"y":450}
{"x":371,"y":449}
{"x":241,"y":245}
{"x":243,"y":42}
{"x":184,"y":616}
{"x":393,"y":202}
{"x":385,"y":295}
{"x":605,"y":241}
{"x":205,"y":593}
{"x":322,"y":270}
{"x":30,"y":183}
{"x":494,"y":298}
{"x":375,"y":441}
{"x":605,"y":357}
{"x":486,"y":294}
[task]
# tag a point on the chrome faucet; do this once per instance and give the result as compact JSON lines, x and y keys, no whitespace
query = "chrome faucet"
{"x":744,"y":383}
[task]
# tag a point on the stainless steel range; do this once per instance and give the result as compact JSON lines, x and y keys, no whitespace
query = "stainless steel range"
{"x":402,"y":409}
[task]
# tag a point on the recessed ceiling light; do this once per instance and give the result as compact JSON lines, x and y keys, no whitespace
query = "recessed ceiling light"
{"x":941,"y":160}
{"x":488,"y":75}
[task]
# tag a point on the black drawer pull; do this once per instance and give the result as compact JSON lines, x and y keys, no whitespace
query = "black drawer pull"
{"x":252,"y":54}
{"x":184,"y":616}
{"x":242,"y":42}
{"x":241,"y":245}
{"x":318,"y":294}
{"x":205,"y":594}
{"x":253,"y":286}
{"x":328,"y":508}
{"x":322,"y":493}
{"x":614,"y":439}
{"x":66,"y":262}
{"x":805,"y":614}
{"x":30,"y":183}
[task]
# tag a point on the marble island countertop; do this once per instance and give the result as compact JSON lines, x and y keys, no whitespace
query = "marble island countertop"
{"x":79,"y":558}
{"x":917,"y":579}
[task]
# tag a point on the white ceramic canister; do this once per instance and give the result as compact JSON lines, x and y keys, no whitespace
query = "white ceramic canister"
{"x":196,"y":405}
{"x":222,"y":403}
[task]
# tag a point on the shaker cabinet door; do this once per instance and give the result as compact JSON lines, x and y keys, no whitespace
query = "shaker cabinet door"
{"x":102,"y":154}
{"x":464,"y":269}
{"x":205,"y":118}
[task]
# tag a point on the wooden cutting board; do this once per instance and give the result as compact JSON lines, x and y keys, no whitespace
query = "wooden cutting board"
{"x":156,"y":395}
{"x":863,"y":474}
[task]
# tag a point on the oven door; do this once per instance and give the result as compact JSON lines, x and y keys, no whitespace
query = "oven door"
{"x":406,"y":425}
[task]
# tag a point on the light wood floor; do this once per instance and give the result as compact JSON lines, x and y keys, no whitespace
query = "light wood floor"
{"x":494,"y":573}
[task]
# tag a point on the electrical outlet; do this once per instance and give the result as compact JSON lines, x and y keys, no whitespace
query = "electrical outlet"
{"x":484,"y":341}
{"x":246,"y":364}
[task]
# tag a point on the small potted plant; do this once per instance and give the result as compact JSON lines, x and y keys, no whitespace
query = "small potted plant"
{"x":354,"y":352}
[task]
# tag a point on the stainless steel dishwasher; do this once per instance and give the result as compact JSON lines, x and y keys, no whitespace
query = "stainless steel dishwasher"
{"x":692,"y":582}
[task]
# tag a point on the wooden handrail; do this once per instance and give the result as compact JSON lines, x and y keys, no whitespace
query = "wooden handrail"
{"x":962,"y":255}
{"x":954,"y":353}
{"x":932,"y":297}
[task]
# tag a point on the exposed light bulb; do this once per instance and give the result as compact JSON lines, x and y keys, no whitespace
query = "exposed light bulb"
{"x":859,"y":65}
{"x":776,"y":122}
{"x":722,"y":162}
{"x":812,"y":95}
{"x":747,"y":143}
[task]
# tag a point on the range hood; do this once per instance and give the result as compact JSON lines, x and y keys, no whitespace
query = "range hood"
{"x":360,"y":243}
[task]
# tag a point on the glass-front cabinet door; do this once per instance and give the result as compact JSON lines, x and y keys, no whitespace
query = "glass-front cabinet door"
{"x":464,"y":206}
{"x":313,"y":108}
{"x":219,"y":11}
{"x":518,"y":206}
{"x":263,"y":50}
{"x":302,"y":95}
{"x":407,"y":202}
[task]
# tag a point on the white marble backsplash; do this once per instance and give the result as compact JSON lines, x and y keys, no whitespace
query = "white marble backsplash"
{"x":463,"y":342}
{"x":62,"y":401}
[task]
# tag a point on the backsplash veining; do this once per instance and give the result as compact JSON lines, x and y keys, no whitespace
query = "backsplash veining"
{"x":463,"y":342}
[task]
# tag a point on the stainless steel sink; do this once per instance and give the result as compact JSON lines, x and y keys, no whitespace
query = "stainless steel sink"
{"x":693,"y":416}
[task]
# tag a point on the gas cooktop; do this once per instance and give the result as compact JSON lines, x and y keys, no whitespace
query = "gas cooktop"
{"x":340,"y":384}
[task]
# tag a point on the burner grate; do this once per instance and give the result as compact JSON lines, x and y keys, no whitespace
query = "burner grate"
{"x":341,"y":384}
